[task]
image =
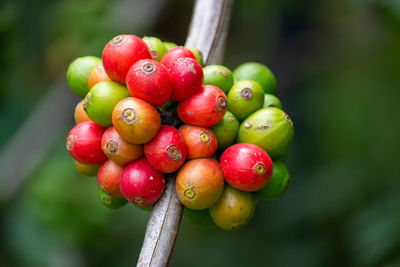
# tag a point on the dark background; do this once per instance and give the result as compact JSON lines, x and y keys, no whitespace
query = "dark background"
{"x":337,"y":65}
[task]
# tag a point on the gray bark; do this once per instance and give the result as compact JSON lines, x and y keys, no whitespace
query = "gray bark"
{"x":208,"y":31}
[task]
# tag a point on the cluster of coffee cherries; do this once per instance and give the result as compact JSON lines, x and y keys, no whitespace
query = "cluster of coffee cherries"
{"x":150,"y":109}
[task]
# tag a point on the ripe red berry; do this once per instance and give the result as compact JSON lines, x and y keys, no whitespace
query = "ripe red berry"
{"x":200,"y":141}
{"x":246,"y":167}
{"x":141,"y":184}
{"x":187,"y":76}
{"x":173,"y":54}
{"x":108,"y":178}
{"x":135,"y":120}
{"x":119,"y":150}
{"x":84,"y":143}
{"x":121,"y":53}
{"x":150,"y":81}
{"x":205,"y":108}
{"x":199,"y":183}
{"x":166,"y":152}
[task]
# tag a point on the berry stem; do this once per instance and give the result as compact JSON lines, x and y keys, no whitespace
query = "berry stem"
{"x":208,"y":31}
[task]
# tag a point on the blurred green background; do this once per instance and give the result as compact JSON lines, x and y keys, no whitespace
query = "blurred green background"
{"x":337,"y":63}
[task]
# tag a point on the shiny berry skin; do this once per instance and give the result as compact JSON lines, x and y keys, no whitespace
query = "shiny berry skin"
{"x":246,"y":167}
{"x":96,"y":75}
{"x":150,"y":81}
{"x":234,"y":209}
{"x":135,"y":120}
{"x":167,"y":151}
{"x":199,"y":183}
{"x":119,"y":150}
{"x":219,"y":76}
{"x":205,"y":108}
{"x":141,"y":184}
{"x":226,"y":131}
{"x":101,"y":100}
{"x":200,"y":141}
{"x":277,"y":185}
{"x":121,"y":53}
{"x":84,"y":143}
{"x":80,"y":114}
{"x":78,"y":73}
{"x":156,"y":46}
{"x":187,"y":76}
{"x":108,"y":178}
{"x":244,"y":98}
{"x":174,"y":53}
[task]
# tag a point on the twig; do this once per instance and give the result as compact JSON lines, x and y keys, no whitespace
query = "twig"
{"x":208,"y":31}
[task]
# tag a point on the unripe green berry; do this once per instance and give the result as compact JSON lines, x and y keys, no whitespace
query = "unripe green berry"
{"x":226,"y":130}
{"x":219,"y":76}
{"x":78,"y":73}
{"x":257,"y":72}
{"x":269,"y":128}
{"x":244,"y":98}
{"x":100,"y":101}
{"x":197,"y":54}
{"x":272,"y":101}
{"x":234,"y":209}
{"x":277,"y":185}
{"x":156,"y":46}
{"x":169,"y":45}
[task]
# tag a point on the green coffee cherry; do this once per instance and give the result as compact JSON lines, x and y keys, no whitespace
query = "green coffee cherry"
{"x":277,"y":185}
{"x":272,"y":101}
{"x":234,"y":209}
{"x":226,"y":130}
{"x":100,"y":101}
{"x":199,"y":218}
{"x":244,"y":98}
{"x":169,"y":45}
{"x":219,"y":76}
{"x":78,"y":73}
{"x":109,"y":201}
{"x":257,"y":72}
{"x":197,"y":54}
{"x":269,"y":128}
{"x":156,"y":46}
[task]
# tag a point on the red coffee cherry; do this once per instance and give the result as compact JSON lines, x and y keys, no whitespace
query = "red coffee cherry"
{"x":108,"y":178}
{"x":246,"y":167}
{"x":167,"y":151}
{"x":173,"y":54}
{"x":200,"y":142}
{"x":199,"y":183}
{"x":84,"y":143}
{"x":141,"y":184}
{"x":121,"y":53}
{"x":119,"y":150}
{"x":150,"y":81}
{"x":187,"y":76}
{"x":205,"y":108}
